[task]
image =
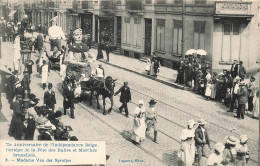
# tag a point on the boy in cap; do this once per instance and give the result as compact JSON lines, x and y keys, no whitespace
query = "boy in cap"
{"x":201,"y":139}
{"x":49,"y":98}
{"x":151,"y":118}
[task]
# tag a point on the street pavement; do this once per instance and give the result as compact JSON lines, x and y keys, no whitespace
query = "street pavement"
{"x":175,"y":108}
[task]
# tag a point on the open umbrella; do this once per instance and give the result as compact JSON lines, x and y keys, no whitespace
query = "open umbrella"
{"x":201,"y":52}
{"x":190,"y":52}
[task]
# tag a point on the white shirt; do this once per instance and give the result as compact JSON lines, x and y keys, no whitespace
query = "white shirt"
{"x":99,"y":73}
{"x":55,"y":32}
{"x":236,"y":88}
{"x":214,"y":159}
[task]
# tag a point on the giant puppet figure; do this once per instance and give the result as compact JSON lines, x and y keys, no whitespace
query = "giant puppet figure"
{"x":56,"y":34}
{"x":80,"y":62}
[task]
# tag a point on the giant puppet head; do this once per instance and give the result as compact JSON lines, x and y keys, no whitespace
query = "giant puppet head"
{"x":77,"y":35}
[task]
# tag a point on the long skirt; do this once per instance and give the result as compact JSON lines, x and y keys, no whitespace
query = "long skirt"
{"x":189,"y":153}
{"x":256,"y":107}
{"x":139,"y":132}
{"x":44,"y":77}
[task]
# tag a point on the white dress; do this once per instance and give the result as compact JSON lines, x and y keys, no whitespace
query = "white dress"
{"x":208,"y":90}
{"x":188,"y":146}
{"x":45,"y":69}
{"x":17,"y":54}
{"x":256,"y":106}
{"x":139,"y":132}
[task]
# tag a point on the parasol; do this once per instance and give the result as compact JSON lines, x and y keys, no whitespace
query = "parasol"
{"x":201,"y":52}
{"x":190,"y":52}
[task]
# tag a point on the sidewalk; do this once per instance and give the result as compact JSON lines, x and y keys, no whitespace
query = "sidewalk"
{"x":166,"y":75}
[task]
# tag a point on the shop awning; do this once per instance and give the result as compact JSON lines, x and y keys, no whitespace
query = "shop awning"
{"x":12,"y":13}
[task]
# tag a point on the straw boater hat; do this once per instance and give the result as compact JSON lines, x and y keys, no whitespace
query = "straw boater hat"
{"x":40,"y":126}
{"x":242,"y":83}
{"x":54,"y":19}
{"x":202,"y":122}
{"x":49,"y":126}
{"x":219,"y":147}
{"x":243,"y":138}
{"x":237,"y":78}
{"x":232,"y":140}
{"x":152,"y":102}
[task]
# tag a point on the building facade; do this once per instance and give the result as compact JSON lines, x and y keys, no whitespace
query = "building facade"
{"x":226,"y":30}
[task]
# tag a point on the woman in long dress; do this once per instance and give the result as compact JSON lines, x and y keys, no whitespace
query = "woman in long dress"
{"x":256,"y":105}
{"x":188,"y":143}
{"x":139,"y":126}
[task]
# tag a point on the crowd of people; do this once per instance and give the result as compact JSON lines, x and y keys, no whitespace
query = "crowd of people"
{"x":195,"y":140}
{"x":227,"y":87}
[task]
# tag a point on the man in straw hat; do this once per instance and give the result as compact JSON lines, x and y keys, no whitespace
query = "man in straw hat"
{"x":151,"y":118}
{"x":229,"y":153}
{"x":242,"y":96}
{"x":201,"y":139}
{"x":47,"y":135}
{"x":56,"y":34}
{"x":216,"y":157}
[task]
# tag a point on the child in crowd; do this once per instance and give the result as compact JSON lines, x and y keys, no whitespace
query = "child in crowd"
{"x":227,"y":99}
{"x":208,"y":89}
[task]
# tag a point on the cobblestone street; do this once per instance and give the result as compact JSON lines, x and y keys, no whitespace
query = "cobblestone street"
{"x":175,"y":107}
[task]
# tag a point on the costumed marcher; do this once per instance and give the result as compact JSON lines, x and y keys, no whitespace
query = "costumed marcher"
{"x":234,"y":69}
{"x":49,"y":98}
{"x":216,"y":157}
{"x":241,"y":71}
{"x":79,"y":61}
{"x":17,"y":54}
{"x":152,"y":119}
{"x":17,"y":127}
{"x":188,"y":143}
{"x":230,"y":153}
{"x":242,"y":152}
{"x":251,"y":91}
{"x":69,"y":97}
{"x":201,"y":139}
{"x":124,"y":98}
{"x":100,"y":73}
{"x":45,"y":73}
{"x":139,"y":126}
{"x":242,"y":96}
{"x":256,"y":105}
{"x":56,"y":34}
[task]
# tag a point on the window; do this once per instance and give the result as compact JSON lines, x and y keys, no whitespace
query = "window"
{"x":200,"y":1}
{"x":148,"y":1}
{"x":177,"y":36}
{"x":126,"y":30}
{"x":199,"y":35}
{"x":160,"y":35}
{"x":178,"y":1}
{"x":137,"y":32}
{"x":231,"y":42}
{"x":161,"y":1}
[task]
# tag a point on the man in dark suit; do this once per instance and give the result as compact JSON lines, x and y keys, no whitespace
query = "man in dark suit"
{"x":234,"y":69}
{"x":124,"y":98}
{"x":69,"y":98}
{"x":17,"y":127}
{"x":241,"y":71}
{"x":49,"y":98}
{"x":201,"y":139}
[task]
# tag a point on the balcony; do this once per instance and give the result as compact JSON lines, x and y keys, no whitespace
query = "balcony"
{"x":107,"y":8}
{"x":233,"y":9}
{"x":85,"y":5}
{"x":134,"y":5}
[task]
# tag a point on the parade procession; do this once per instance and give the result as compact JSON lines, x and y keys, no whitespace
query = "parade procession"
{"x":159,"y":88}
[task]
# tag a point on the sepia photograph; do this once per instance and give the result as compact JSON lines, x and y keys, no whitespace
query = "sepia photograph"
{"x":129,"y":82}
